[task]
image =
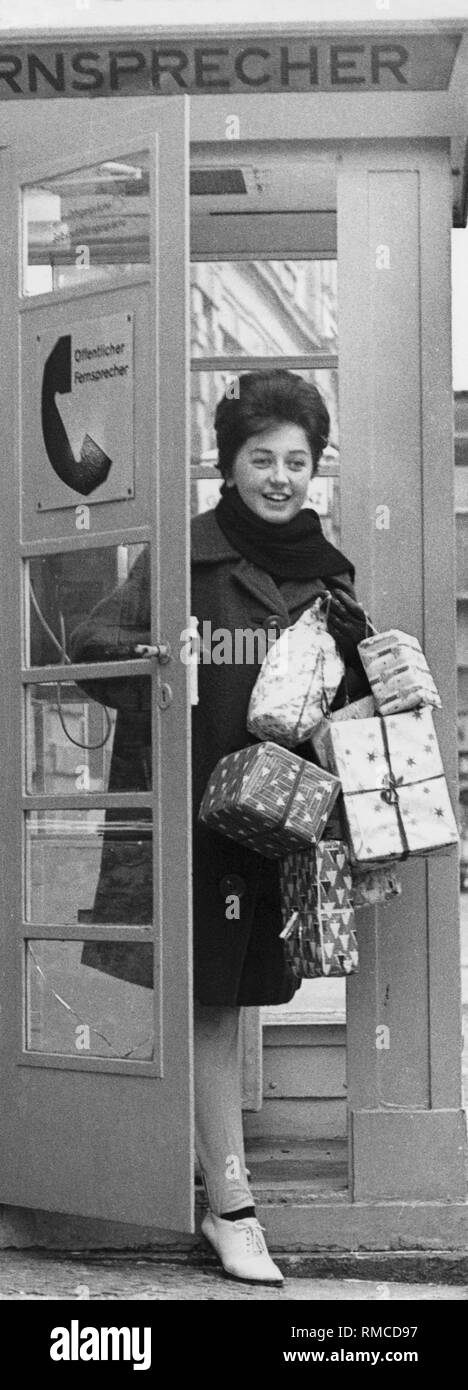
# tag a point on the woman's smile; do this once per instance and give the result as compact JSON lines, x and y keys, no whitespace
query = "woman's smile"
{"x":276,"y":500}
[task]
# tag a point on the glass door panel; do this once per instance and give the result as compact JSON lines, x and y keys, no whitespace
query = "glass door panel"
{"x":62,"y":588}
{"x":263,"y":308}
{"x":85,"y":225}
{"x":88,"y":866}
{"x":73,"y":1009}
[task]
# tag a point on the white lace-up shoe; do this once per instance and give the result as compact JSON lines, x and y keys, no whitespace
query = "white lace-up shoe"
{"x":241,"y":1247}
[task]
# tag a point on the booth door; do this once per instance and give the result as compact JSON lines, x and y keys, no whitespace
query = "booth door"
{"x":95,"y":927}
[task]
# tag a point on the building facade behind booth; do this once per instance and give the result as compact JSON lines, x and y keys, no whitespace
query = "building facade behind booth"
{"x":176,"y":209}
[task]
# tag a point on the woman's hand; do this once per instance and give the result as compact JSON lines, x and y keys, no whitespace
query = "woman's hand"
{"x":347,"y":622}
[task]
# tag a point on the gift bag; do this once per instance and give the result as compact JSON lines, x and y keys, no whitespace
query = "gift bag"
{"x":299,"y":678}
{"x":269,"y":798}
{"x":397,"y":672}
{"x":395,"y":795}
{"x":316,"y":906}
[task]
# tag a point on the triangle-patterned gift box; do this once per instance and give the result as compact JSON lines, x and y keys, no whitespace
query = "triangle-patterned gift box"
{"x":318,"y":915}
{"x":269,"y":799}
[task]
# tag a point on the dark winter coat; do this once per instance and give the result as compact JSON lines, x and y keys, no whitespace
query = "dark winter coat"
{"x":236,"y":960}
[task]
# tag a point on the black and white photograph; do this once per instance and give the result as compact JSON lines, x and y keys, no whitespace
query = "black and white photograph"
{"x":234,"y":680}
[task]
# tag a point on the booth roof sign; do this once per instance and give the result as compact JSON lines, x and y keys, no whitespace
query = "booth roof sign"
{"x":204,"y":67}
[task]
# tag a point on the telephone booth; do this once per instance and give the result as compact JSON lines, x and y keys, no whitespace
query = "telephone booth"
{"x":176,"y":209}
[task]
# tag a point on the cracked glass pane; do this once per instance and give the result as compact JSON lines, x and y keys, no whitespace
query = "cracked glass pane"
{"x":78,"y":1009}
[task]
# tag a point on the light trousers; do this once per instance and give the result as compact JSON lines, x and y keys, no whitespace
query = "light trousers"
{"x":219,"y":1139}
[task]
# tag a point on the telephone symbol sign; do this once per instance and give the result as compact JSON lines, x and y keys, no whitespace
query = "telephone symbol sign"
{"x":85,"y":399}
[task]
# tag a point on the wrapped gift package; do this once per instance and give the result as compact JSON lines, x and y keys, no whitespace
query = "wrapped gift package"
{"x":373,"y":887}
{"x":297,"y":681}
{"x":395,"y":796}
{"x":317,"y":911}
{"x":397,"y":672}
{"x":355,"y":709}
{"x":269,"y":798}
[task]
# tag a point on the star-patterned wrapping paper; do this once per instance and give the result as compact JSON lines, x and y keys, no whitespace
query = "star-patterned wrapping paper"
{"x":374,"y":790}
{"x":356,"y":709}
{"x":317,"y":911}
{"x":398,"y":672}
{"x":269,"y":799}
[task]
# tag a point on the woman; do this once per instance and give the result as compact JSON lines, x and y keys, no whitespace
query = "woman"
{"x":258,"y":561}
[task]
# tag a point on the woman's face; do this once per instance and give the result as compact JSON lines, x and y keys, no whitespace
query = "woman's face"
{"x":272,"y":471}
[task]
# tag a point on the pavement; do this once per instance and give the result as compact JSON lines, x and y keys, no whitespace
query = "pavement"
{"x":27,"y":1275}
{"x":41,"y":1276}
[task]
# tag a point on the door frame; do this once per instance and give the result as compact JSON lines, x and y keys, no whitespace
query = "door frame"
{"x":101,"y":1172}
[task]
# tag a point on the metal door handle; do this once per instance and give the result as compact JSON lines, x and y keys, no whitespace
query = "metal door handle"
{"x":161,"y":651}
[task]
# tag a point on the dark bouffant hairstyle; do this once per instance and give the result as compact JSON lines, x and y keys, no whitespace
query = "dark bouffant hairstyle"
{"x":265,"y":398}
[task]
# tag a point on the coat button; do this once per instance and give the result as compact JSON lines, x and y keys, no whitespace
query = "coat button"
{"x":232,"y":884}
{"x":274,"y":620}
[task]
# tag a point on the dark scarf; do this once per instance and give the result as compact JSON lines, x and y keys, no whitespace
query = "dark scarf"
{"x":295,"y":549}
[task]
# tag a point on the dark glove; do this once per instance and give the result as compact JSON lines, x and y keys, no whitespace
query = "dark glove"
{"x":347,"y":624}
